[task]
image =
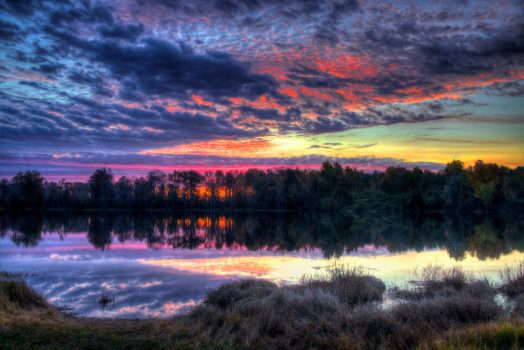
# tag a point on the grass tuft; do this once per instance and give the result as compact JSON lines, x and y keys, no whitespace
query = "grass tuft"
{"x":512,"y":280}
{"x":15,"y":293}
{"x":437,"y":281}
{"x":351,"y":285}
{"x":228,"y":294}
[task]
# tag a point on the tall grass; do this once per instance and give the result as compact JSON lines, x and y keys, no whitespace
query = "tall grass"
{"x":350,"y":284}
{"x":437,"y":281}
{"x":338,"y":309}
{"x":488,"y":336}
{"x":512,"y":280}
{"x":15,"y":293}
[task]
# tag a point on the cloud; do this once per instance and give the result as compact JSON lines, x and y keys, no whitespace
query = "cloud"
{"x":9,"y":32}
{"x":158,"y":68}
{"x":121,"y":31}
{"x":366,"y":146}
{"x":127,"y":76}
{"x":83,"y":163}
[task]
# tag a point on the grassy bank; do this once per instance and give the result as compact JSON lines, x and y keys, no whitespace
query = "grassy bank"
{"x":342,"y":309}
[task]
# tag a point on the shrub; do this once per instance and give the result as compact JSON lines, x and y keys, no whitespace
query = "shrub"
{"x":442,"y":313}
{"x":350,"y":284}
{"x":276,"y":318}
{"x":228,"y":294}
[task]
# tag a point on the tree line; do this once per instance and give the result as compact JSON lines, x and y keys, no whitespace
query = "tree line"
{"x":481,"y":187}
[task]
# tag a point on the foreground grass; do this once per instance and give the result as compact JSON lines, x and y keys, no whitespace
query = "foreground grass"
{"x":502,"y":335}
{"x":339,"y":310}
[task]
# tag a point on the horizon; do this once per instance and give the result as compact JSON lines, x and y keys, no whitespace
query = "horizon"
{"x":235,"y":85}
{"x":133,"y":173}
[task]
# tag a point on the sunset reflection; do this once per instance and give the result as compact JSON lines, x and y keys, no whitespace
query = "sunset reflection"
{"x":160,"y":265}
{"x":393,"y":268}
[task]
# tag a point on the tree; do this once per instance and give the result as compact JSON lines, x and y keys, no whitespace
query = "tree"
{"x":157,"y":180}
{"x":101,"y":187}
{"x":29,"y":188}
{"x":454,"y":168}
{"x":124,"y":192}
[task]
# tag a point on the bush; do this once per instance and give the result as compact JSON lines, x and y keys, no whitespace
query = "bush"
{"x":284,"y":318}
{"x":443,"y":313}
{"x":228,"y":294}
{"x":349,"y":284}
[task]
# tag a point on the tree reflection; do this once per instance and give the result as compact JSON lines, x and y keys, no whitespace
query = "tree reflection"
{"x":99,"y":231}
{"x":334,"y":235}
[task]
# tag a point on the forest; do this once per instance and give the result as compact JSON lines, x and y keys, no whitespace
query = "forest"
{"x":483,"y":187}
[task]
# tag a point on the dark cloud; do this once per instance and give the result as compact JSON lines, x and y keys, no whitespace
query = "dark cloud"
{"x":313,"y":78}
{"x":438,"y":50}
{"x":49,"y":69}
{"x":121,"y":31}
{"x":513,"y":89}
{"x":21,"y":8}
{"x":159,"y":68}
{"x":269,"y":113}
{"x":366,"y":146}
{"x":84,"y":123}
{"x":9,"y":32}
{"x":83,"y":13}
{"x":94,"y":80}
{"x":345,"y":120}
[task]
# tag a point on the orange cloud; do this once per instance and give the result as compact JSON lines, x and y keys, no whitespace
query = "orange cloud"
{"x":231,"y":148}
{"x":200,"y":101}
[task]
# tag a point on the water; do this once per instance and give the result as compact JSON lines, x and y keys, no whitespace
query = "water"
{"x":158,"y":265}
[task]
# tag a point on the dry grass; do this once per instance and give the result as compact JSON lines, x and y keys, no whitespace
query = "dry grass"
{"x":517,"y":311}
{"x":336,"y":310}
{"x":488,"y":336}
{"x":513,"y":280}
{"x":231,"y":293}
{"x":436,"y":281}
{"x":351,"y":285}
{"x":14,"y":293}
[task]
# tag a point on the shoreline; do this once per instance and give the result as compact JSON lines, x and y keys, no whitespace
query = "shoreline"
{"x":339,"y":309}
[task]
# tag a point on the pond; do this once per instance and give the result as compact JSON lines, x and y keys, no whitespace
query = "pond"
{"x":159,"y":265}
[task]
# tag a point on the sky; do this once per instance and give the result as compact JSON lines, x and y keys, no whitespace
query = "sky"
{"x":137,"y":85}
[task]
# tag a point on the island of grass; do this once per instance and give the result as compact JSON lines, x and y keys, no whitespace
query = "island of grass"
{"x":342,"y":309}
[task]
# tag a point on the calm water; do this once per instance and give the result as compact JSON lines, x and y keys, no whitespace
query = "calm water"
{"x":159,"y":265}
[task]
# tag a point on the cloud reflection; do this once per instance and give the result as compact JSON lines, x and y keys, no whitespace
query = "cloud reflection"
{"x":168,"y":277}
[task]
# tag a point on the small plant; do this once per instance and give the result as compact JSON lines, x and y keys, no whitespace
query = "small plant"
{"x":105,"y":301}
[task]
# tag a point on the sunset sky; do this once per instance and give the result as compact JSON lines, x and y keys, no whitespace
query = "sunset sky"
{"x":137,"y":85}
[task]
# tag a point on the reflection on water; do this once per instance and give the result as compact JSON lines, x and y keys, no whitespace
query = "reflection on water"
{"x":157,"y":265}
